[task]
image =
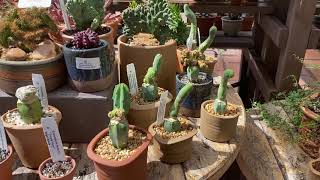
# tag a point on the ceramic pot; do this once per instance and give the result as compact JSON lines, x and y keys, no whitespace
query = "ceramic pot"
{"x":231,"y":27}
{"x":313,"y":174}
{"x":134,"y":167}
{"x":217,"y":128}
{"x":6,"y":165}
{"x":29,"y":141}
{"x":173,"y":151}
{"x":68,"y":176}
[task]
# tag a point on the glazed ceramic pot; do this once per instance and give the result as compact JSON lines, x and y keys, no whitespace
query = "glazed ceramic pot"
{"x":6,"y":165}
{"x":313,"y":173}
{"x":231,"y":27}
{"x":68,"y":176}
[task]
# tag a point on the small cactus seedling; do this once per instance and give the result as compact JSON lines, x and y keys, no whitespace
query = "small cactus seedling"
{"x":150,"y":87}
{"x":119,"y":127}
{"x":220,"y":103}
{"x":173,"y":124}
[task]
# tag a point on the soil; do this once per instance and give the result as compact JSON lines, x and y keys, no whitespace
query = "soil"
{"x":106,"y":150}
{"x":139,"y":100}
{"x":3,"y":154}
{"x":101,"y":30}
{"x":144,"y":39}
{"x":202,"y":79}
{"x":316,"y":165}
{"x":230,"y":111}
{"x":57,"y":169}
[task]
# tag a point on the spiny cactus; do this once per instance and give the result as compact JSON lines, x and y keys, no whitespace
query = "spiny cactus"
{"x":119,"y":127}
{"x":149,"y":86}
{"x":220,"y":103}
{"x":173,"y":124}
{"x":85,"y":39}
{"x":193,"y":30}
{"x":28,"y":104}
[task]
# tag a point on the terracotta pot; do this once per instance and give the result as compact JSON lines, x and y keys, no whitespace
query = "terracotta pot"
{"x":218,"y":22}
{"x":134,"y":167}
{"x":68,"y":176}
{"x":114,"y":24}
{"x":173,"y":151}
{"x":231,"y":27}
{"x":247,"y":23}
{"x":142,"y":57}
{"x":15,"y":74}
{"x":204,"y":24}
{"x":144,"y":115}
{"x":313,"y":174}
{"x":29,"y":141}
{"x":6,"y":165}
{"x":218,"y":129}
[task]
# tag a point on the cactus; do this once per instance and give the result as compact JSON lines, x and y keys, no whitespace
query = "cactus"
{"x":193,"y":73}
{"x":207,"y":43}
{"x":150,"y":87}
{"x":173,"y":124}
{"x":86,"y":40}
{"x":220,"y":102}
{"x":193,"y":20}
{"x":28,"y":104}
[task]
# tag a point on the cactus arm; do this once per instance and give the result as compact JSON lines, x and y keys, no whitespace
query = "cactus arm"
{"x":118,"y":132}
{"x":207,"y":43}
{"x":193,"y":73}
{"x":120,"y":97}
{"x":183,"y":93}
{"x":193,"y":20}
{"x":157,"y":63}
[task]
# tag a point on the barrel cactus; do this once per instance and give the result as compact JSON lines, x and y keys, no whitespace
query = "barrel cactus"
{"x":85,"y":39}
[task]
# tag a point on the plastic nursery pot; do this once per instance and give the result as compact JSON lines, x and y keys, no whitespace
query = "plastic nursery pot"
{"x":217,"y":128}
{"x":173,"y":151}
{"x":314,"y":174}
{"x":200,"y":93}
{"x":6,"y":165}
{"x":231,"y":27}
{"x":68,"y":176}
{"x":90,"y":70}
{"x":142,"y":57}
{"x":29,"y":141}
{"x":134,"y":167}
{"x":143,"y":115}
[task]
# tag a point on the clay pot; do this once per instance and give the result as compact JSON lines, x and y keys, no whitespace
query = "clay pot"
{"x":173,"y":151}
{"x":144,"y":115}
{"x":204,"y":24}
{"x":68,"y":176}
{"x":142,"y":57}
{"x":231,"y":27}
{"x":134,"y":167}
{"x":313,"y":174}
{"x":6,"y":165}
{"x":247,"y":23}
{"x":217,"y":128}
{"x":114,"y":24}
{"x":29,"y":141}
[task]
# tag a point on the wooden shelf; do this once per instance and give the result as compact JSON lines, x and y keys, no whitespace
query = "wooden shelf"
{"x":244,"y":40}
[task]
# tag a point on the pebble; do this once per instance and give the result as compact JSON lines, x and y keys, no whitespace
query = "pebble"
{"x":45,"y":50}
{"x":15,"y":54}
{"x":57,"y":169}
{"x":231,"y":110}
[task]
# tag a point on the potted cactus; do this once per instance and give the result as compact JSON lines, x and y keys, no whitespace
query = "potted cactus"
{"x":24,"y":128}
{"x":173,"y":138}
{"x":218,"y":121}
{"x":60,"y":170}
{"x":120,"y":151}
{"x":144,"y":105}
{"x":89,"y":63}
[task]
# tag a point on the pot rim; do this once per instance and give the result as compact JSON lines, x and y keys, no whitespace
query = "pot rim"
{"x":10,"y":126}
{"x":113,"y":163}
{"x":101,"y":35}
{"x":105,"y":44}
{"x":221,"y":117}
{"x":74,"y":164}
{"x":148,"y":106}
{"x":10,"y":148}
{"x":307,"y":112}
{"x":225,"y":18}
{"x":178,"y":78}
{"x":122,"y":40}
{"x":311,"y":167}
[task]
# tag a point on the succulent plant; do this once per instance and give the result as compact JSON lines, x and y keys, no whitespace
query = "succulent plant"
{"x":119,"y":127}
{"x":220,"y":103}
{"x":28,"y":104}
{"x":86,"y":40}
{"x":193,"y":20}
{"x":172,"y":124}
{"x":149,"y":86}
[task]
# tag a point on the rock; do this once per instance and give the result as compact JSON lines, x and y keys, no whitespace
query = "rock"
{"x":45,"y":50}
{"x":15,"y":54}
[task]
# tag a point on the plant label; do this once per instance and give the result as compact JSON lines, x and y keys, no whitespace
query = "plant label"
{"x":162,"y":107}
{"x":53,"y":138}
{"x":39,"y":83}
{"x":88,"y":63}
{"x":199,"y":35}
{"x":132,"y":78}
{"x":3,"y":139}
{"x":34,"y":3}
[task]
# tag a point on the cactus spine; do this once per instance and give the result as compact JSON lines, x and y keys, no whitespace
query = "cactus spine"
{"x":220,"y":102}
{"x":149,"y":86}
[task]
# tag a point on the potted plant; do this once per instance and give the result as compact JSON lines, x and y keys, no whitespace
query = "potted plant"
{"x":218,"y":121}
{"x":231,"y":24}
{"x":120,"y":151}
{"x":6,"y":161}
{"x":88,"y":61}
{"x":61,"y":170}
{"x":112,"y":19}
{"x":24,"y":128}
{"x":173,"y":138}
{"x":314,"y":169}
{"x":25,"y":48}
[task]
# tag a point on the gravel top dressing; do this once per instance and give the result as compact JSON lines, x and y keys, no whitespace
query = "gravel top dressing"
{"x":230,"y":111}
{"x":185,"y":129}
{"x":57,"y":169}
{"x":139,"y":99}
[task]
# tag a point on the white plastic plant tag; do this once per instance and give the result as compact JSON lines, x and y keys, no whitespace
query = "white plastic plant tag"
{"x":132,"y":78}
{"x":53,"y":138}
{"x":88,"y":63}
{"x":199,"y":36}
{"x":162,"y":107}
{"x":34,"y":3}
{"x":64,"y":14}
{"x":3,"y":140}
{"x":38,"y":82}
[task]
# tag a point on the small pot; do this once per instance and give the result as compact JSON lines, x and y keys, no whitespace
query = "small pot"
{"x":204,"y":24}
{"x":231,"y":27}
{"x":68,"y":176}
{"x":217,"y":128}
{"x":173,"y":151}
{"x":247,"y":23}
{"x":29,"y":141}
{"x":200,"y":93}
{"x":6,"y":165}
{"x":134,"y":167}
{"x":313,"y":174}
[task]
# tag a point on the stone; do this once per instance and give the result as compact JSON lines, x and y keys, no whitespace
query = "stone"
{"x":45,"y":50}
{"x":15,"y":54}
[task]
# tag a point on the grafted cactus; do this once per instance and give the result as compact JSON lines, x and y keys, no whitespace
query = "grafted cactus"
{"x":173,"y":124}
{"x":28,"y":104}
{"x":193,"y":30}
{"x":220,"y":102}
{"x":119,"y":127}
{"x":150,"y":87}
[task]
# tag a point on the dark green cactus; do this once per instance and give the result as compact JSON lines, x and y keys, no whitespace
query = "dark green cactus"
{"x":193,"y":20}
{"x":220,"y":102}
{"x":207,"y":43}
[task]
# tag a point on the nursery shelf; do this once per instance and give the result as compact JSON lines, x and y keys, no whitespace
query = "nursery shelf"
{"x":244,"y":40}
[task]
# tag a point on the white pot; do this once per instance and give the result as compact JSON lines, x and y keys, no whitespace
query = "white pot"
{"x":231,"y":27}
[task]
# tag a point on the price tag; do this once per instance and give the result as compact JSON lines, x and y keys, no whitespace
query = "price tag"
{"x":39,"y":83}
{"x":53,"y":138}
{"x":199,"y":35}
{"x":3,"y":140}
{"x":132,"y":78}
{"x":34,"y":3}
{"x":88,"y":63}
{"x":162,"y":107}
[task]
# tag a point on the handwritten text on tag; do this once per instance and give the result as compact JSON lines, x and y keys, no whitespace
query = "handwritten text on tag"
{"x":132,"y":78}
{"x":39,"y":83}
{"x":162,"y":107}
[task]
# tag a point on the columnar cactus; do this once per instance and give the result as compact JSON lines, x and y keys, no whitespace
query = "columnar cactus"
{"x":173,"y":124}
{"x":207,"y":43}
{"x":193,"y":30}
{"x":85,"y":39}
{"x":28,"y":104}
{"x":119,"y":127}
{"x":150,"y":87}
{"x":220,"y":103}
